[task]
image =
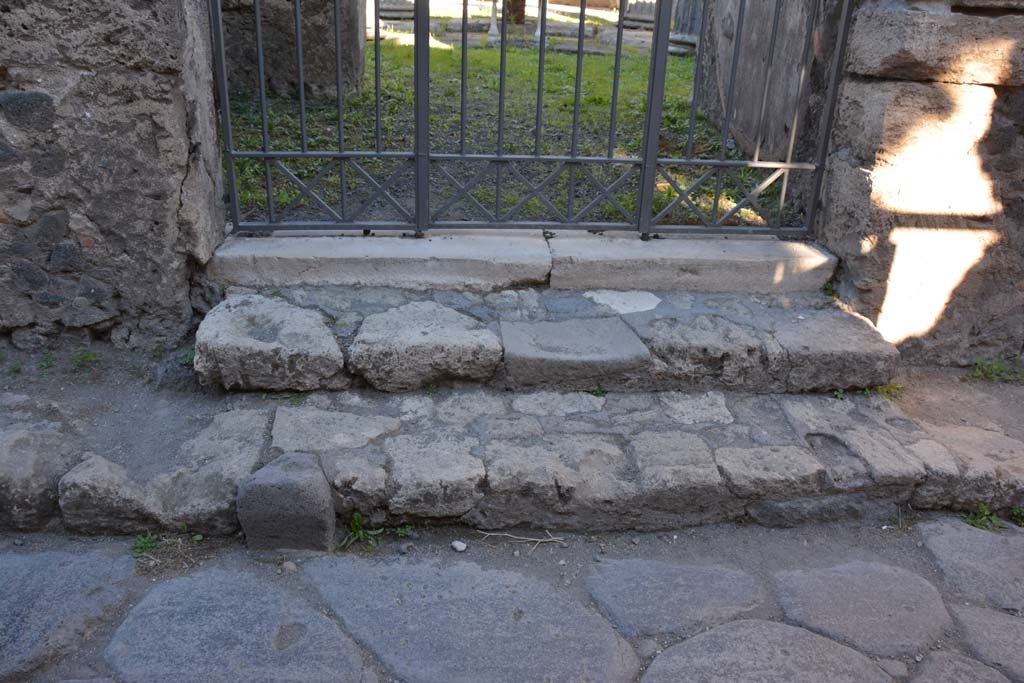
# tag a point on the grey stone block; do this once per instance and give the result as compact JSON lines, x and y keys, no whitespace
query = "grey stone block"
{"x":287,"y":504}
{"x":878,"y":609}
{"x":571,"y":353}
{"x":947,"y":667}
{"x":434,"y":474}
{"x":762,"y":652}
{"x":466,"y":624}
{"x":771,"y":471}
{"x":221,"y":626}
{"x":49,"y":601}
{"x":32,"y":461}
{"x":995,"y":638}
{"x":421,"y":343}
{"x":253,"y":342}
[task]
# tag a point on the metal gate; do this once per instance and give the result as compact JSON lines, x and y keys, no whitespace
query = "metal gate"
{"x":688,"y":171}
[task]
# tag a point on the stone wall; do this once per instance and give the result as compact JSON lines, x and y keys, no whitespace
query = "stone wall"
{"x":109,"y":168}
{"x":925,"y":192}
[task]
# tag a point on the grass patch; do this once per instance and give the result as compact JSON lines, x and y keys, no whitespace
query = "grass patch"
{"x":983,"y":518}
{"x":83,"y":360}
{"x":478,"y":135}
{"x":1008,"y":372}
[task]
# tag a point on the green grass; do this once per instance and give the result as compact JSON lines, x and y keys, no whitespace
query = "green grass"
{"x":1008,"y":372}
{"x":396,"y":122}
{"x":983,"y":518}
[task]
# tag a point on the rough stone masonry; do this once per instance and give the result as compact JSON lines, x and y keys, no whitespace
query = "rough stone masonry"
{"x":109,"y":168}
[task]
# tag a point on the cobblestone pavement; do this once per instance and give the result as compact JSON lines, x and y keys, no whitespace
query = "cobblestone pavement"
{"x":930,"y":600}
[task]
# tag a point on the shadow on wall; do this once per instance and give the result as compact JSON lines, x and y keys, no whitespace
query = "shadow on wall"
{"x":936,"y":258}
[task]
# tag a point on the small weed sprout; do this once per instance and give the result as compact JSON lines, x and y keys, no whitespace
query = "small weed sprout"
{"x":889,"y":391}
{"x":984,"y":518}
{"x":357,"y":533}
{"x":1017,"y":516}
{"x":46,"y":361}
{"x":839,"y":394}
{"x":599,"y":391}
{"x":14,"y":367}
{"x":83,"y":360}
{"x":144,"y":545}
{"x":998,"y":371}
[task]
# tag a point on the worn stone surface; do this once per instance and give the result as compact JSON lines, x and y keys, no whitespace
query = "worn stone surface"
{"x":32,"y":461}
{"x":215,"y":625}
{"x":688,"y":409}
{"x":97,"y":496}
{"x":50,"y":600}
{"x":571,"y":353}
{"x":312,"y":430}
{"x":991,"y":464}
{"x":956,"y":546}
{"x":771,"y":471}
{"x":753,"y":651}
{"x":994,"y":638}
{"x":110,"y":190}
{"x":201,"y":493}
{"x":551,"y":403}
{"x":252,"y":342}
{"x":287,"y":504}
{"x":433,"y":474}
{"x":878,"y":609}
{"x":946,"y":667}
{"x":464,"y":623}
{"x":829,"y":508}
{"x":422,"y":343}
{"x":652,"y":598}
{"x":357,"y":484}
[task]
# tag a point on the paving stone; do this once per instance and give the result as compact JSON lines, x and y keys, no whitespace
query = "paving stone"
{"x":689,"y":409}
{"x":820,"y":509}
{"x":938,"y":490}
{"x":521,"y":426}
{"x":422,"y":343}
{"x":287,"y":504}
{"x":358,"y":483}
{"x":876,"y":608}
{"x":311,"y":430}
{"x":677,"y":474}
{"x":575,"y":480}
{"x":465,"y":406}
{"x":991,"y":463}
{"x":217,"y":626}
{"x":957,"y":547}
{"x":98,"y":497}
{"x":771,"y":471}
{"x":433,"y":475}
{"x":710,"y":350}
{"x":413,"y":408}
{"x":554,"y":404}
{"x":652,"y":598}
{"x":32,"y":461}
{"x":994,"y":638}
{"x":752,"y":651}
{"x":571,"y":353}
{"x":846,"y":472}
{"x":887,"y":461}
{"x":253,"y":342}
{"x":201,"y":493}
{"x":624,"y":302}
{"x":462,"y":623}
{"x":947,"y":667}
{"x":49,"y":601}
{"x":833,"y":349}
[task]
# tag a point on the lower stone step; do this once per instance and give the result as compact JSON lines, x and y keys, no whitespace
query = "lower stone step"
{"x":332,"y":337}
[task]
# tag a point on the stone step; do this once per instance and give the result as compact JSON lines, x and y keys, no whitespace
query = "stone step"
{"x":333,"y":337}
{"x":496,"y":260}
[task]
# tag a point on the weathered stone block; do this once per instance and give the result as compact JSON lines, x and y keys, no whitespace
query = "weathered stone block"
{"x":571,"y":353}
{"x":253,"y":342}
{"x":287,"y":504}
{"x":433,"y":475}
{"x":32,"y":461}
{"x":312,"y":430}
{"x":771,"y":471}
{"x":421,"y":343}
{"x":98,"y":497}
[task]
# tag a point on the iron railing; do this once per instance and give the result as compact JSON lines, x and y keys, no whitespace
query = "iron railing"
{"x":522,"y":183}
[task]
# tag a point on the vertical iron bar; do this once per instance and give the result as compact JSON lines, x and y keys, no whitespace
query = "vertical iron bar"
{"x":340,"y":98}
{"x":465,"y":74}
{"x":768,"y":70}
{"x":652,"y":122}
{"x":543,"y":10}
{"x":833,"y":96}
{"x":698,"y":74}
{"x":615,"y":82}
{"x":730,"y":91}
{"x":302,"y":74}
{"x":501,"y":106}
{"x":812,"y":17}
{"x":265,"y":128}
{"x":376,"y":73}
{"x":577,"y":92}
{"x":225,"y":111}
{"x":421,"y":76}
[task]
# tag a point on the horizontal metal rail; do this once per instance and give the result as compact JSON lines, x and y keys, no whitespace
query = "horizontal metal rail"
{"x":547,"y":178}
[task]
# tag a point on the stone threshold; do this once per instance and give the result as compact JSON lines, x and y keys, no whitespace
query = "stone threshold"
{"x":333,"y":337}
{"x":485,"y":261}
{"x":574,"y":461}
